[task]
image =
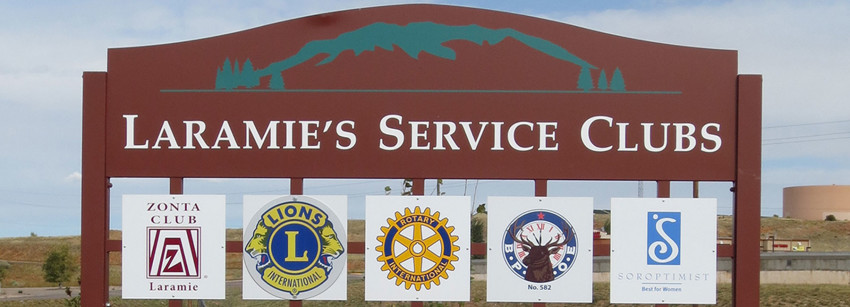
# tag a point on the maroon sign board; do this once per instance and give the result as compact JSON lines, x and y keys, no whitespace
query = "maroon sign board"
{"x":421,"y":91}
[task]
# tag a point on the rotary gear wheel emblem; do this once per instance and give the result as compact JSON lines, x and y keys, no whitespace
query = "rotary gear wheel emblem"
{"x":417,"y":248}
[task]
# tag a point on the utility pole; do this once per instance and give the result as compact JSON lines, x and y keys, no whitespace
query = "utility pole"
{"x":640,"y":189}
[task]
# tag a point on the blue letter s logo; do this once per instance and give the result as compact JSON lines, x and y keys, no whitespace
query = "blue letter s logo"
{"x":664,"y":237}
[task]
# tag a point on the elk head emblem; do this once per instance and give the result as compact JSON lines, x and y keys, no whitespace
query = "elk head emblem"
{"x":537,"y":263}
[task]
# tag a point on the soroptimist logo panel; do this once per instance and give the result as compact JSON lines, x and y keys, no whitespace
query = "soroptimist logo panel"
{"x":544,"y":250}
{"x":173,"y":246}
{"x":663,"y":250}
{"x":417,"y":248}
{"x":295,"y":248}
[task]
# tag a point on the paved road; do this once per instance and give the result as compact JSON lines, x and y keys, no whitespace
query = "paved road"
{"x":23,"y":294}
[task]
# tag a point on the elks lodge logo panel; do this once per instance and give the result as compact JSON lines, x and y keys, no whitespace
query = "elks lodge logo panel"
{"x":540,"y":246}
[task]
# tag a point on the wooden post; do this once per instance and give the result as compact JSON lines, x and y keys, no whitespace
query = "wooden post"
{"x":540,"y":190}
{"x":175,"y":187}
{"x":695,"y":193}
{"x":296,"y":187}
{"x":747,"y":205}
{"x":418,"y":189}
{"x":94,"y":196}
{"x":662,"y":191}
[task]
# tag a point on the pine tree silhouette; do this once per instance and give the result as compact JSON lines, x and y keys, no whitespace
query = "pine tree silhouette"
{"x":585,"y":80}
{"x":602,"y":85}
{"x":617,"y":83}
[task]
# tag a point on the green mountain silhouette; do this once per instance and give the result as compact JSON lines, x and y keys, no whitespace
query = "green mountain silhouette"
{"x":413,"y":39}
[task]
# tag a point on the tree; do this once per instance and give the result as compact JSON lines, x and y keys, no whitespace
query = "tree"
{"x":224,"y":76}
{"x":830,"y":218}
{"x":249,"y":76}
{"x":4,"y":267}
{"x":439,"y":184}
{"x":58,"y":267}
{"x":617,"y":82}
{"x":276,"y":82}
{"x":477,"y":231}
{"x":603,"y":81}
{"x":406,"y":188}
{"x":477,"y":234}
{"x":585,"y":80}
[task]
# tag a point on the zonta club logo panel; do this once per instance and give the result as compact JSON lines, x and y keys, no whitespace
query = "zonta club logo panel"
{"x":173,"y":246}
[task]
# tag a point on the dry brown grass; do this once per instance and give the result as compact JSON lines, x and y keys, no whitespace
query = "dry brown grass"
{"x":27,"y":254}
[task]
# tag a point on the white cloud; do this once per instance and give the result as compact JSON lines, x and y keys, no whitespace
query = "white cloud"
{"x":74,"y":177}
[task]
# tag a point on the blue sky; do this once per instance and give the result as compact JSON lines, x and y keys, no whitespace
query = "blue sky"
{"x":801,"y":49}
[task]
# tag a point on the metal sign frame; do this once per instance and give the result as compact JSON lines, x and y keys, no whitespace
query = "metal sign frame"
{"x":476,"y":88}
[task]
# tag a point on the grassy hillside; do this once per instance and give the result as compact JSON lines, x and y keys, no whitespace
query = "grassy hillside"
{"x":26,"y":254}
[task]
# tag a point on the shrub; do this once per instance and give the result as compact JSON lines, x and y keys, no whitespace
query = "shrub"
{"x":58,"y":267}
{"x":4,"y":267}
{"x":477,"y":232}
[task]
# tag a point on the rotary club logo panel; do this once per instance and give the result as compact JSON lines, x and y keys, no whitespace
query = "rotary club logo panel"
{"x":417,"y":248}
{"x":294,"y":247}
{"x":540,"y":249}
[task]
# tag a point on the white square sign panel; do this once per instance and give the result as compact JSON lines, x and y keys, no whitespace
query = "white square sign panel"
{"x":540,"y":249}
{"x":417,"y":248}
{"x":664,"y":250}
{"x":294,"y":247}
{"x":173,"y":247}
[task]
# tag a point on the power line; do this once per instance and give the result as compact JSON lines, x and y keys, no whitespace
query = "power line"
{"x":806,"y":141}
{"x":806,"y":138}
{"x":808,"y":124}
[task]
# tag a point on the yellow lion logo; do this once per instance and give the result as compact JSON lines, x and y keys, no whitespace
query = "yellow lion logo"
{"x":257,"y":247}
{"x":331,"y":247}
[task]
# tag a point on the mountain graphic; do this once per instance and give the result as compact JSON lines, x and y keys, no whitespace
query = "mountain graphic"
{"x":413,"y":39}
